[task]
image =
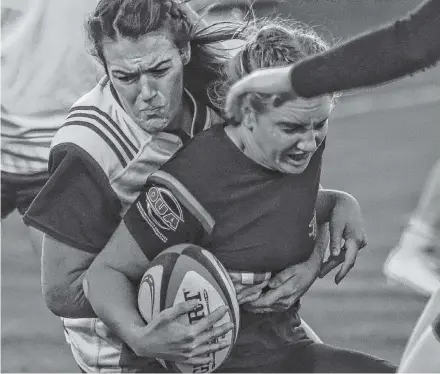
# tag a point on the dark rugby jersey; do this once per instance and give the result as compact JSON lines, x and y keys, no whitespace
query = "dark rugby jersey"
{"x":251,"y":218}
{"x":398,"y":49}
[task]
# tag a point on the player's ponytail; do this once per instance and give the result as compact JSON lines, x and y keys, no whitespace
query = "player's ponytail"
{"x":269,"y":43}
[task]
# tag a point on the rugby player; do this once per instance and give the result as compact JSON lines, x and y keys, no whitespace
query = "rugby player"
{"x":396,"y":50}
{"x":253,"y":201}
{"x":393,"y":51}
{"x":135,"y":118}
{"x":45,"y":42}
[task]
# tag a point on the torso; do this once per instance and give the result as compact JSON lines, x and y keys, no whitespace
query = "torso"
{"x":260,"y":221}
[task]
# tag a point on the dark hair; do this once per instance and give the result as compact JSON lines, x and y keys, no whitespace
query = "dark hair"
{"x":135,"y":18}
{"x":269,"y":43}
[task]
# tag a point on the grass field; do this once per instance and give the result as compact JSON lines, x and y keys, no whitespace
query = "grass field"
{"x":382,"y":156}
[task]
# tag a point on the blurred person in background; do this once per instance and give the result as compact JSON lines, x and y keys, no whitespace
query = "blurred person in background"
{"x":45,"y":68}
{"x":415,"y":261}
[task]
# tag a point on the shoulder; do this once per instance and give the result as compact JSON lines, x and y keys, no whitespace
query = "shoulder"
{"x":166,"y":213}
{"x":94,"y":124}
{"x":199,"y":155}
{"x":163,"y":186}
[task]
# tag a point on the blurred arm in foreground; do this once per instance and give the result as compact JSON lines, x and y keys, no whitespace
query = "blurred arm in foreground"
{"x":393,"y":51}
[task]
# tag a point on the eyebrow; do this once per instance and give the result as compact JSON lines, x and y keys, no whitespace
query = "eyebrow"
{"x":285,"y":123}
{"x":134,"y":72}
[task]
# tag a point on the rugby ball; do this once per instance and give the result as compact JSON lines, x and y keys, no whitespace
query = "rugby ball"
{"x":187,"y":272}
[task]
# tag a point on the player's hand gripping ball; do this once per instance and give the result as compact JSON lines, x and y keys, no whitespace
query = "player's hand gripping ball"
{"x":187,"y":272}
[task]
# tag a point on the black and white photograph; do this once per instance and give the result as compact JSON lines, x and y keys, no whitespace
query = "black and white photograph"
{"x":226,"y":186}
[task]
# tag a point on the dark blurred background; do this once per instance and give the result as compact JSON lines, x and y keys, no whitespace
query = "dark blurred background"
{"x":382,"y":144}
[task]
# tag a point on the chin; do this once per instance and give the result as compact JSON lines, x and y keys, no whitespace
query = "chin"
{"x":291,"y":169}
{"x":153,"y":125}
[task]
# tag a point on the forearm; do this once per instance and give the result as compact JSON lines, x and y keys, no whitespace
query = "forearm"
{"x":322,"y":240}
{"x":113,"y":297}
{"x":394,"y":51}
{"x":62,"y":272}
{"x":325,"y":203}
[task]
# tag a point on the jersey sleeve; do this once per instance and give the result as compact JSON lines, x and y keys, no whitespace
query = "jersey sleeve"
{"x":159,"y":219}
{"x":393,"y":51}
{"x":77,"y":206}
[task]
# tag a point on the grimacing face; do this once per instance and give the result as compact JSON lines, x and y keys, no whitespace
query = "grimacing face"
{"x":286,"y":137}
{"x":147,"y":75}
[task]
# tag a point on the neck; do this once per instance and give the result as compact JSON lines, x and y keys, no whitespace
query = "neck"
{"x":183,"y":119}
{"x":241,"y":137}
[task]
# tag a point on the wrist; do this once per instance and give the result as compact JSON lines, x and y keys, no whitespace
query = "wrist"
{"x":290,"y":80}
{"x":314,"y":262}
{"x":136,"y":337}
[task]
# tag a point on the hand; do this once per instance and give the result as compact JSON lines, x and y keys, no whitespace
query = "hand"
{"x":273,"y":81}
{"x":165,"y":338}
{"x":286,"y":288}
{"x":251,"y":290}
{"x":347,"y":236}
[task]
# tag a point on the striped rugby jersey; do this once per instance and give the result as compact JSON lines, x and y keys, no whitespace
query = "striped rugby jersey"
{"x":45,"y":68}
{"x":99,"y":161}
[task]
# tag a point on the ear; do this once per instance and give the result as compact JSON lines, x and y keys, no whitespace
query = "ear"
{"x":185,"y":54}
{"x":248,"y":115}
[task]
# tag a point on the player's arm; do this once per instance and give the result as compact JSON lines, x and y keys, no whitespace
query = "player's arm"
{"x":393,"y":51}
{"x":62,"y":271}
{"x":379,"y":56}
{"x":155,"y":221}
{"x":347,"y":231}
{"x":77,"y":211}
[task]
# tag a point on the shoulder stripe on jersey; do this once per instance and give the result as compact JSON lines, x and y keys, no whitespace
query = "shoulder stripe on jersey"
{"x":208,"y":119}
{"x":201,"y":119}
{"x":128,"y":152}
{"x":195,"y":111}
{"x":184,"y":196}
{"x":102,"y":135}
{"x":110,"y":120}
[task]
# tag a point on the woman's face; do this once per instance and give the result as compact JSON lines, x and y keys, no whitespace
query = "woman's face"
{"x":147,"y":75}
{"x":286,"y":137}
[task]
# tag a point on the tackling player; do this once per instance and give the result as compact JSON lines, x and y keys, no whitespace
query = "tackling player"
{"x":145,"y":107}
{"x":251,"y":198}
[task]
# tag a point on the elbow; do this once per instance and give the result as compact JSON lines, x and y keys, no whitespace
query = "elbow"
{"x":67,"y":300}
{"x":56,"y":300}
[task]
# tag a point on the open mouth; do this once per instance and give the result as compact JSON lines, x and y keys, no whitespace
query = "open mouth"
{"x":298,"y":158}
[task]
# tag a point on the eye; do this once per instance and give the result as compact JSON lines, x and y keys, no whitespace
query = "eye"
{"x":320,"y":125}
{"x":161,"y":71}
{"x":127,"y":78}
{"x":289,"y":130}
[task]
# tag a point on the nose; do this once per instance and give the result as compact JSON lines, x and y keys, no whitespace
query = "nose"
{"x":308,"y":143}
{"x":148,"y":89}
